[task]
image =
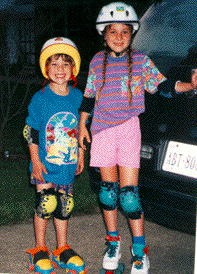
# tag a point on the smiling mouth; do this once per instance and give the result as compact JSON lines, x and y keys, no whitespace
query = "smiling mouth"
{"x":118,"y":44}
{"x":60,"y":76}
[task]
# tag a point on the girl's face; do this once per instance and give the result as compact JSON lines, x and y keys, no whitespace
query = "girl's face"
{"x":118,"y":37}
{"x":59,"y":70}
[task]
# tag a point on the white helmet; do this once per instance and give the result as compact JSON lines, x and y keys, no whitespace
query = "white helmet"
{"x":117,"y":12}
{"x":59,"y":45}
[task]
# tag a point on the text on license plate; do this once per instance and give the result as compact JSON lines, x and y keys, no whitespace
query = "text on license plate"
{"x":181,"y":158}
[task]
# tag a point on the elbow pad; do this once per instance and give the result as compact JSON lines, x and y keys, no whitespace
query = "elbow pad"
{"x":87,"y":105}
{"x":31,"y":135}
{"x":167,"y":88}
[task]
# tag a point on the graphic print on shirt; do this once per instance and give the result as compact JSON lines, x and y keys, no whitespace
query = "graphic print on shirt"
{"x":135,"y":87}
{"x":61,"y":141}
{"x":124,"y":82}
{"x":91,"y":86}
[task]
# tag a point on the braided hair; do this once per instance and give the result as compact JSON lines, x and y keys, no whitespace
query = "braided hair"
{"x":129,"y":62}
{"x":104,"y":72}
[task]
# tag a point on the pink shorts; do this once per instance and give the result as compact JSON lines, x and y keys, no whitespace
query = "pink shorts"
{"x":119,"y":145}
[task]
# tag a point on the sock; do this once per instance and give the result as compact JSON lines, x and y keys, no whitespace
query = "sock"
{"x":138,"y":245}
{"x":139,"y":240}
{"x":114,"y":234}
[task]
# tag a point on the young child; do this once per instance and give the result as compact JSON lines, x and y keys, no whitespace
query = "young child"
{"x":118,"y":77}
{"x":51,"y":131}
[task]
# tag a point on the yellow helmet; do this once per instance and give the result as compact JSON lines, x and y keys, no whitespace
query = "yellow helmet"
{"x":59,"y":45}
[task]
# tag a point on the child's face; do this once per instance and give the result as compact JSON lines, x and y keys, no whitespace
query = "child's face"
{"x":118,"y":37}
{"x":59,"y":70}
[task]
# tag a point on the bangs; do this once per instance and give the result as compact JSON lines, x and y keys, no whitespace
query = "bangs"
{"x":65,"y":58}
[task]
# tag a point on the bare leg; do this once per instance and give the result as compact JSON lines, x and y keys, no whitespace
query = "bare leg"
{"x":40,"y":225}
{"x":129,"y":176}
{"x":61,"y":232}
{"x":110,"y":174}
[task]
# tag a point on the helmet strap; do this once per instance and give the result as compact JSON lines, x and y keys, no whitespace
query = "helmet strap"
{"x":119,"y":54}
{"x":43,"y":89}
{"x":74,"y":79}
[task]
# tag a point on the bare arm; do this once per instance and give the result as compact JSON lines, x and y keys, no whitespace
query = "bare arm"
{"x":184,"y":87}
{"x":80,"y":164}
{"x":83,"y":132}
{"x":38,"y":166}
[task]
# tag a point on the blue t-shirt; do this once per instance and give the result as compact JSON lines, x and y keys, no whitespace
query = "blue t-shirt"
{"x":56,"y":118}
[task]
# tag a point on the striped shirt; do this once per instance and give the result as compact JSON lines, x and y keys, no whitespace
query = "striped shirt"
{"x":113,"y":107}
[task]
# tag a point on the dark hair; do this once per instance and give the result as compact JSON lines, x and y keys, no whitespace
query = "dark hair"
{"x":65,"y":58}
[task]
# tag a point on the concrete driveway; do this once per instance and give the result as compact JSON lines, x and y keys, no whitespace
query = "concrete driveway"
{"x":170,"y":252}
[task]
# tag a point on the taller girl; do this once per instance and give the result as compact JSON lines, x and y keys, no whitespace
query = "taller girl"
{"x":118,"y":77}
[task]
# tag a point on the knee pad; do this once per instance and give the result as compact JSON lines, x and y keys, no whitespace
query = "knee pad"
{"x":108,"y":195}
{"x":46,"y":203}
{"x":130,"y":202}
{"x":65,"y":204}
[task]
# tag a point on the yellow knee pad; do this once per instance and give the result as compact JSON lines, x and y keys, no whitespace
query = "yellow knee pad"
{"x":50,"y":201}
{"x":46,"y":203}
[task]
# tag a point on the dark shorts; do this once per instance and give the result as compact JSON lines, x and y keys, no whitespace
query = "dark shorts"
{"x":67,"y":188}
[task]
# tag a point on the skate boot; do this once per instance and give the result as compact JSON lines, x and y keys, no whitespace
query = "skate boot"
{"x":39,"y":261}
{"x":67,"y":258}
{"x":140,"y":262}
{"x":112,"y":254}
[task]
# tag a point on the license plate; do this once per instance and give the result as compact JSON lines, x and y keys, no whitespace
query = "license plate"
{"x":181,"y":158}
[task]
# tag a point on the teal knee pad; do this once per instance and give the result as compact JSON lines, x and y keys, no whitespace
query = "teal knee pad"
{"x":108,"y":195}
{"x":130,"y":202}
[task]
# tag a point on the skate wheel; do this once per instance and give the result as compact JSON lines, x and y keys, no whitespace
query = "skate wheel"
{"x":120,"y":269}
{"x":54,"y":264}
{"x":72,"y":272}
{"x":104,"y":271}
{"x":30,"y":267}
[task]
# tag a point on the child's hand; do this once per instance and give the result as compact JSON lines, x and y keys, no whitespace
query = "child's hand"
{"x":83,"y":134}
{"x":38,"y":168}
{"x":80,"y":164}
{"x":194,"y":79}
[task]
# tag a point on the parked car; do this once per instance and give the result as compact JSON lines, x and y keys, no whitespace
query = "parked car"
{"x":168,"y":179}
{"x":168,"y":173}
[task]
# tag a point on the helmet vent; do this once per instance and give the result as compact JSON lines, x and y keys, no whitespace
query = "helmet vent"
{"x":116,"y":12}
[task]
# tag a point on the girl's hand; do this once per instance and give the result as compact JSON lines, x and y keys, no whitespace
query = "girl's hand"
{"x":80,"y":164}
{"x":83,"y":134}
{"x":38,"y":168}
{"x":194,"y":79}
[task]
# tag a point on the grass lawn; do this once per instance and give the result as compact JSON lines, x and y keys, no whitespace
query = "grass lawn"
{"x":17,"y":195}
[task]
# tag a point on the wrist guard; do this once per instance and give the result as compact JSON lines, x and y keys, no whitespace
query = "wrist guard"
{"x":87,"y":105}
{"x":31,"y":135}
